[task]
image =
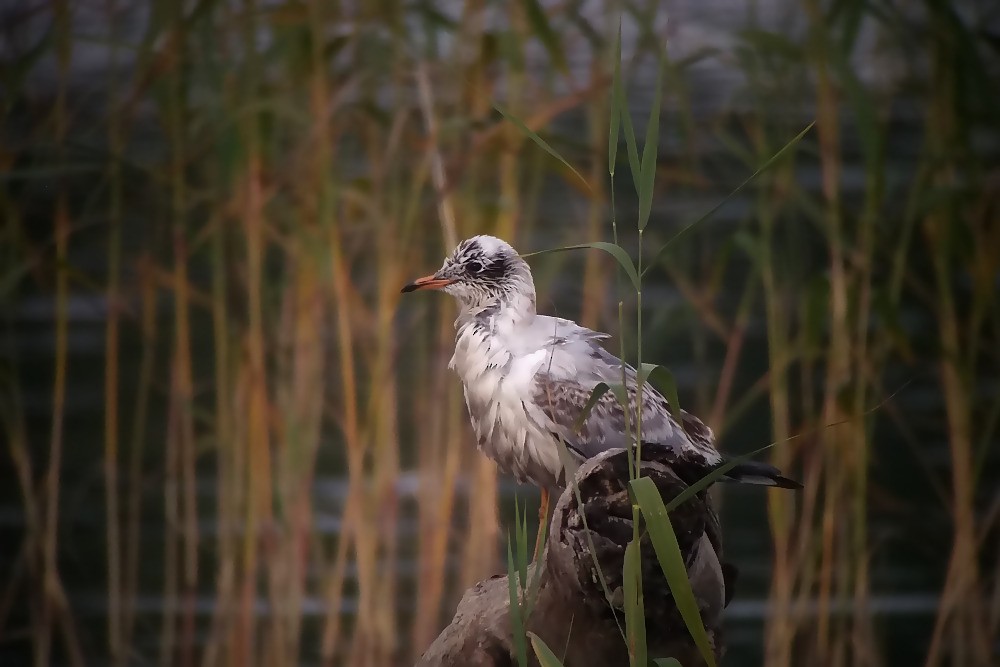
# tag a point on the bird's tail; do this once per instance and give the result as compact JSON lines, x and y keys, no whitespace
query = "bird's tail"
{"x":755,"y":472}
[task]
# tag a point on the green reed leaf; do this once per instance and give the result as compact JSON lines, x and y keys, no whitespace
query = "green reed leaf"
{"x":615,"y":251}
{"x":519,"y":124}
{"x":666,"y":662}
{"x":521,"y":526}
{"x":599,"y":390}
{"x":546,"y":658}
{"x":650,"y":147}
{"x":614,"y":118}
{"x":621,"y":103}
{"x":764,"y":167}
{"x":663,"y":381}
{"x":635,"y":613}
{"x":668,"y":553}
{"x":516,"y":620}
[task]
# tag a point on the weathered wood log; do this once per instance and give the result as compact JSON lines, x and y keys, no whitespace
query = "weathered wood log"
{"x":572,"y":614}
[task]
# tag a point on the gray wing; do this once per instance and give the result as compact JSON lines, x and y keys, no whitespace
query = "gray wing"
{"x":563,"y":389}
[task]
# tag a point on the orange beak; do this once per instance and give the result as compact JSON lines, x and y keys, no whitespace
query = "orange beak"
{"x":427,"y":282}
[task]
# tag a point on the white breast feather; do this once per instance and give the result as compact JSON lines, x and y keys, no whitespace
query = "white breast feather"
{"x":496,"y":382}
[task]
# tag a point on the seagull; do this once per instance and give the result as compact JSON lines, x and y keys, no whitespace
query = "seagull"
{"x":527,"y":378}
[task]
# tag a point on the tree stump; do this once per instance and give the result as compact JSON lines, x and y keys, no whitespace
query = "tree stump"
{"x":572,"y":614}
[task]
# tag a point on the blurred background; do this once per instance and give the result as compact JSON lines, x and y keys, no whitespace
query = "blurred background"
{"x":227,"y":441}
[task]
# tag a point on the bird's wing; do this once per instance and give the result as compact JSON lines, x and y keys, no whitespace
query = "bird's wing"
{"x":563,"y":386}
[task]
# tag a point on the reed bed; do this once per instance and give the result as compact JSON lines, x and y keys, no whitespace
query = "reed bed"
{"x":228,"y":196}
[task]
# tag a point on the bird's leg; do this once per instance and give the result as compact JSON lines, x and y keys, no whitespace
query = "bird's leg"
{"x":543,"y":524}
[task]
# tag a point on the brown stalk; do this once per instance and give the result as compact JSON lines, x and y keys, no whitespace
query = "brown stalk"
{"x":148,"y":329}
{"x":961,"y":601}
{"x":351,"y":433}
{"x":436,"y":507}
{"x":171,"y":517}
{"x":259,"y":519}
{"x":430,"y":452}
{"x":780,"y":628}
{"x":111,"y":423}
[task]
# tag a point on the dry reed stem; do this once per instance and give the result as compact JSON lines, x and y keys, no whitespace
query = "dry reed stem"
{"x":50,"y":582}
{"x":961,"y":615}
{"x":148,"y":330}
{"x":112,"y":519}
{"x":961,"y":603}
{"x":356,"y":448}
{"x":385,"y":433}
{"x":436,"y":514}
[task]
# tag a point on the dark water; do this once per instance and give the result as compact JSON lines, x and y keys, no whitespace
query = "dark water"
{"x":908,"y":521}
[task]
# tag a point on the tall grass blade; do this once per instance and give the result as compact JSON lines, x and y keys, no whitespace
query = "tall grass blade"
{"x":614,"y":118}
{"x":650,"y":148}
{"x":666,"y":662}
{"x":544,"y":145}
{"x":516,"y":618}
{"x":621,"y":104}
{"x":635,"y":611}
{"x":760,"y":170}
{"x":546,"y":658}
{"x":668,"y":553}
{"x":521,"y":524}
{"x":663,"y":381}
{"x":616,"y":251}
{"x":599,"y":390}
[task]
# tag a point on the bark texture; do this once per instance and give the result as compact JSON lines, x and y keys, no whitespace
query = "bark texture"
{"x":571,"y":613}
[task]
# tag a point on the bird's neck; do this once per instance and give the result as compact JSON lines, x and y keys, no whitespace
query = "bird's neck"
{"x":482,"y":340}
{"x":510,"y":312}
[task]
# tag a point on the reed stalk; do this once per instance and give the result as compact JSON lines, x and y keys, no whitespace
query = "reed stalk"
{"x":962,"y":621}
{"x":54,"y":606}
{"x":111,"y":378}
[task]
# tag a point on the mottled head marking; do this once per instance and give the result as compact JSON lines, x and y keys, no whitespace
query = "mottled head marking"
{"x":486,"y":271}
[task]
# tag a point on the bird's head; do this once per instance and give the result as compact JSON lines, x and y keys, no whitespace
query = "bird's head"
{"x":482,"y":271}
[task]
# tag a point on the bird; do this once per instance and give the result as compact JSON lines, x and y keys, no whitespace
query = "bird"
{"x":527,"y":378}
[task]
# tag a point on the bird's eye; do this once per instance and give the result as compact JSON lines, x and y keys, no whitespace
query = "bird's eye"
{"x":475,"y":267}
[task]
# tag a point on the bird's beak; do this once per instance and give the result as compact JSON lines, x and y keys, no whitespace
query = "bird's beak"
{"x":427,"y":282}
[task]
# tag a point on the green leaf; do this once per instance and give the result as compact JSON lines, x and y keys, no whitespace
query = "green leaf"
{"x":647,"y":171}
{"x":599,"y":390}
{"x":569,"y":462}
{"x":620,"y":393}
{"x":635,"y":613}
{"x":663,"y":381}
{"x":633,"y":152}
{"x":616,"y":251}
{"x":764,"y":167}
{"x":521,"y":525}
{"x":666,"y":662}
{"x":519,"y":124}
{"x":621,"y":104}
{"x":516,"y":620}
{"x":615,"y":115}
{"x":543,"y":29}
{"x":668,"y":553}
{"x":546,"y":658}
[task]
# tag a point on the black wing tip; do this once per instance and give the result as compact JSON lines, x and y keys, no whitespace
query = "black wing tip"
{"x":786,"y":483}
{"x":755,"y":472}
{"x":730,"y":575}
